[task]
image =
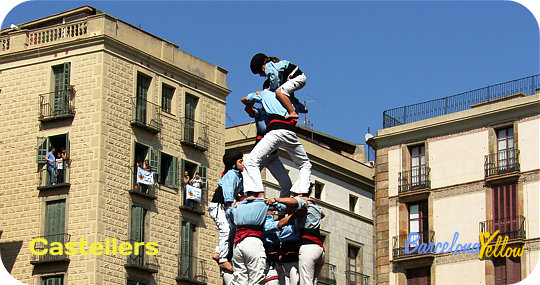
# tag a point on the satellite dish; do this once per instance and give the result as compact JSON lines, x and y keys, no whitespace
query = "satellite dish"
{"x":368,"y":136}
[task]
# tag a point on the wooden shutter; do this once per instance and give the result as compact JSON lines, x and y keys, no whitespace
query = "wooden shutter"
{"x":173,"y":172}
{"x":154,"y":159}
{"x":41,"y":149}
{"x":66,"y":71}
{"x":202,"y":171}
{"x":187,"y":248}
{"x":137,"y":223}
{"x":505,"y":208}
{"x":53,"y":280}
{"x":67,"y":146}
{"x":513,"y":270}
{"x":55,"y":220}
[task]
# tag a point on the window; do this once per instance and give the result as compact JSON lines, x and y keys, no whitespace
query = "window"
{"x":167,"y":93}
{"x":419,"y":276}
{"x":418,"y":165}
{"x":507,"y":270}
{"x":142,"y":154}
{"x":55,"y":214}
{"x":53,"y":280}
{"x":168,"y":170}
{"x":53,"y":173}
{"x":143,"y":84}
{"x":319,"y":187}
{"x":132,"y":282}
{"x":189,"y":124}
{"x":190,"y":169}
{"x":354,"y":262}
{"x":418,"y":220}
{"x":187,"y":255}
{"x":61,"y":79}
{"x":505,"y":218}
{"x":505,"y":149}
{"x":352,"y":203}
{"x":138,"y":220}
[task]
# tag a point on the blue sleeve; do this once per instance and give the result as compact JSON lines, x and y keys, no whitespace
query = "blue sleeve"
{"x":301,"y":203}
{"x":253,"y":97}
{"x":277,"y":207}
{"x":273,"y":75}
{"x":228,"y":183}
{"x":270,"y":226}
{"x":287,"y":231}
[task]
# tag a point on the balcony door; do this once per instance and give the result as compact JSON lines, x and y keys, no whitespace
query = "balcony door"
{"x":419,"y":276}
{"x":418,"y":165}
{"x":189,"y":124}
{"x":61,"y":87}
{"x":505,"y":150}
{"x":418,"y":220}
{"x":505,"y":217}
{"x":143,"y":84}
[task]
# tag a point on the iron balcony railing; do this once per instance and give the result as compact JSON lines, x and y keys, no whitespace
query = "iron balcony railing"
{"x":416,"y":178}
{"x":356,"y":278}
{"x":192,"y":269}
{"x":400,"y":244}
{"x":41,"y":246}
{"x":148,"y":191}
{"x":463,"y":101}
{"x":501,"y":162}
{"x":193,"y":205}
{"x":513,"y":227}
{"x":56,"y":105}
{"x":328,"y":274}
{"x":142,"y":260}
{"x":146,"y":115}
{"x":195,"y":134}
{"x":62,"y":176}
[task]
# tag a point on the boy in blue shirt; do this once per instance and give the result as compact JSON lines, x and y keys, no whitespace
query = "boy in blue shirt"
{"x":51,"y":165}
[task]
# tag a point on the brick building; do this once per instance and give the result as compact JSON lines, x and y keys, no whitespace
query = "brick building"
{"x":344,"y":190}
{"x":110,"y":94}
{"x":465,"y":164}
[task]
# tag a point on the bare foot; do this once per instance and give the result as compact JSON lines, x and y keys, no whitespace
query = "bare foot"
{"x":226,"y":265}
{"x":292,"y":115}
{"x":215,"y":256}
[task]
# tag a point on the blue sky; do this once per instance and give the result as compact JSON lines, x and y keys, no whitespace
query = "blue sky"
{"x":360,"y":57}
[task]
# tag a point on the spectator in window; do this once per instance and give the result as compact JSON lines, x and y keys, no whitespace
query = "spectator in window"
{"x":196,"y":181}
{"x":147,"y":165}
{"x":59,"y":168}
{"x":186,"y":178}
{"x":51,"y":165}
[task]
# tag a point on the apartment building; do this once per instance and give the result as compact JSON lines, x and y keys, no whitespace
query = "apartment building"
{"x":111,"y":95}
{"x":344,"y":190}
{"x":462,"y":165}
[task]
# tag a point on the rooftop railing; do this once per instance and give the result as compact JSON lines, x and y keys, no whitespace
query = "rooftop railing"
{"x":501,"y":162}
{"x":192,"y":269}
{"x":58,"y":32}
{"x":463,"y":101}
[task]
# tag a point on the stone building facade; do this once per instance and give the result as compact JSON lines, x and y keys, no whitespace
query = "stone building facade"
{"x":344,"y":190}
{"x":111,"y":95}
{"x":469,"y":172}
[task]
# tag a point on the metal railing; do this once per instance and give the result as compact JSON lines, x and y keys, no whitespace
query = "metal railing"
{"x":195,"y":134}
{"x":58,"y":104}
{"x":356,"y":278}
{"x":146,"y":115}
{"x":416,"y":178}
{"x":145,"y":190}
{"x":62,"y":176}
{"x":192,"y":268}
{"x":513,"y":227}
{"x":501,"y":162}
{"x":40,"y":246}
{"x":193,"y":205}
{"x":142,"y":260}
{"x":55,"y":33}
{"x":463,"y":101}
{"x":400,"y":243}
{"x":327,"y":274}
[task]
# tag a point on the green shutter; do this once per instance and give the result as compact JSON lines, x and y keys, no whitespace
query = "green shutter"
{"x":182,"y":170}
{"x":41,"y":149}
{"x":187,"y":249}
{"x":173,"y":170}
{"x":202,"y":171}
{"x":154,"y":158}
{"x":66,"y":76}
{"x":55,"y":214}
{"x":137,"y":223}
{"x":67,"y":146}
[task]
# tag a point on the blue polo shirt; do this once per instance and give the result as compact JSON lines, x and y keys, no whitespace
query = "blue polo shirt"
{"x":253,"y":213}
{"x":269,"y":102}
{"x":311,"y":220}
{"x":50,"y":156}
{"x":232,"y":184}
{"x":271,"y":231}
{"x":274,"y":72}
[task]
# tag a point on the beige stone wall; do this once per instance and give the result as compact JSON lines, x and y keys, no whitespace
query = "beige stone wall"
{"x":470,"y":271}
{"x":528,"y":144}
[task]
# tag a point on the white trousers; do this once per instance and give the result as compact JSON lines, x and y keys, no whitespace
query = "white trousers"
{"x":310,"y":263}
{"x":227,"y":277}
{"x":294,"y":84}
{"x":273,"y":140}
{"x":291,"y":273}
{"x":276,"y":168}
{"x":271,"y":274}
{"x":217,"y":212}
{"x":249,"y":262}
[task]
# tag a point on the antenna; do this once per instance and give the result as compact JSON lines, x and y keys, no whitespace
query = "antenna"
{"x":367,"y":136}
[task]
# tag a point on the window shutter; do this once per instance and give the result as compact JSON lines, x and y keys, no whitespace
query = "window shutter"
{"x":173,"y":170}
{"x":513,"y":270}
{"x":41,"y":149}
{"x":202,"y":172}
{"x":182,"y":170}
{"x":66,"y":75}
{"x":154,"y":158}
{"x":67,"y":146}
{"x":55,"y":219}
{"x":137,"y":223}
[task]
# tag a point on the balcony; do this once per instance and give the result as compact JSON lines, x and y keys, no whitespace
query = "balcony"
{"x":49,"y":257}
{"x":502,"y":163}
{"x":56,"y":105}
{"x":62,"y":177}
{"x":143,"y":190}
{"x":513,"y":227}
{"x":142,"y":261}
{"x":327,"y":275}
{"x":191,"y":270}
{"x":193,"y":205}
{"x":414,"y":180}
{"x":146,"y":115}
{"x":356,"y":278}
{"x":195,"y":134}
{"x":400,"y":244}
